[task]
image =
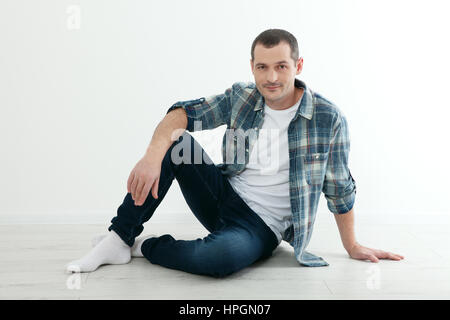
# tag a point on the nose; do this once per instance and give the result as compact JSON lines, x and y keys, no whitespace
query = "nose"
{"x":272,"y":76}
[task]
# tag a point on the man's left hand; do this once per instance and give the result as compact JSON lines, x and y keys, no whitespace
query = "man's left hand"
{"x":360,"y":252}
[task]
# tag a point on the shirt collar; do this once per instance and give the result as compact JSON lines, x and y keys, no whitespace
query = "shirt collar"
{"x":306,"y":107}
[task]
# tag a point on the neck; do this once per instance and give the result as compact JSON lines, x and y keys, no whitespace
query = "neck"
{"x":298,"y":92}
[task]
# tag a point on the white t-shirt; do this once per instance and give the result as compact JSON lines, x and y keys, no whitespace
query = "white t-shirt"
{"x":264,"y":183}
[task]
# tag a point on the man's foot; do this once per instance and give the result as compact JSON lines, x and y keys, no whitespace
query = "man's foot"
{"x":111,"y":249}
{"x":135,"y":249}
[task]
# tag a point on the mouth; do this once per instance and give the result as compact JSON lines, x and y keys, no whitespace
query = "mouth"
{"x":273,"y":88}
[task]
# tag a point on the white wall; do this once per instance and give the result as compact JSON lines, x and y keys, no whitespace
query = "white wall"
{"x":79,"y":103}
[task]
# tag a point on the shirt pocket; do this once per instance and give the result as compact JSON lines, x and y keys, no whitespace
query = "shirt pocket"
{"x":315,"y":165}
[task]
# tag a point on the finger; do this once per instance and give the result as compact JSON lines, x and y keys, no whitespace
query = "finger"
{"x":133,"y":186}
{"x":393,"y":256}
{"x":130,"y":180}
{"x":139,"y":188}
{"x":155,"y":189}
{"x":389,"y":255}
{"x":373,"y":258}
{"x":397,"y":256}
{"x":144,"y":194}
{"x":382,"y":254}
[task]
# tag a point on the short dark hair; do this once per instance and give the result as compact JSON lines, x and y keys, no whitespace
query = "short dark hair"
{"x":272,"y":37}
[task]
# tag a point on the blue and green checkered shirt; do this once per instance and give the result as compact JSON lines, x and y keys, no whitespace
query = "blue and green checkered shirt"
{"x":319,"y":146}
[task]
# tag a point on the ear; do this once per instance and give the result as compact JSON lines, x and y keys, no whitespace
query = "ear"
{"x":251,"y":65}
{"x":299,"y":66}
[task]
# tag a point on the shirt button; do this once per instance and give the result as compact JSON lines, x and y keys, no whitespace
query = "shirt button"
{"x":317,"y":157}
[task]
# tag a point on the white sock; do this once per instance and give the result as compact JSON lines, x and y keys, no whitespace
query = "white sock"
{"x":110,"y":250}
{"x":135,"y":249}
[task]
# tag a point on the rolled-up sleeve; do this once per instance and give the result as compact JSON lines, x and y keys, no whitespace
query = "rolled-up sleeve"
{"x":339,"y":186}
{"x":208,"y":113}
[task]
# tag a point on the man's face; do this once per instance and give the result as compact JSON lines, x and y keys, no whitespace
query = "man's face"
{"x":274,"y":67}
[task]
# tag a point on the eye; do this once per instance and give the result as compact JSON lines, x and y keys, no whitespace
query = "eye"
{"x":283,"y":66}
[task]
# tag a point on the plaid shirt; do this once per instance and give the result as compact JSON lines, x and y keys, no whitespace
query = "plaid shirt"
{"x":319,"y":146}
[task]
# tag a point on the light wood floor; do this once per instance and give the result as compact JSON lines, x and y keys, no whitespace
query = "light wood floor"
{"x":33,"y":258}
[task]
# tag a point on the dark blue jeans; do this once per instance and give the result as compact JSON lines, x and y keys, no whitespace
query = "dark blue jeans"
{"x":238,"y":236}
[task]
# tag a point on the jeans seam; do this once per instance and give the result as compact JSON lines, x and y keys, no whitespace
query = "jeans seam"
{"x":205,"y":183}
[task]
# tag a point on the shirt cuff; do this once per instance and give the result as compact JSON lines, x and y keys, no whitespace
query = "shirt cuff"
{"x":340,"y":205}
{"x":189,"y":115}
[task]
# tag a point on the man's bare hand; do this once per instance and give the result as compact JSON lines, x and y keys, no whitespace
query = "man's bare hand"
{"x":143,"y":178}
{"x":363,"y":253}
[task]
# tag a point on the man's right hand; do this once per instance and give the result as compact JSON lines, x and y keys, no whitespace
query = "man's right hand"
{"x":146,"y":173}
{"x":143,"y":177}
